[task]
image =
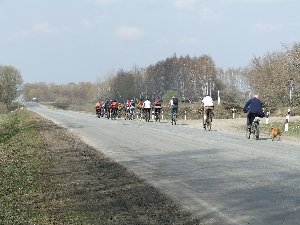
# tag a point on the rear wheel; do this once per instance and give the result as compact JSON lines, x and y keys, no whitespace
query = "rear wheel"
{"x":209,"y":120}
{"x":256,"y":131}
{"x":248,"y":132}
{"x":147,"y":116}
{"x":174,"y":118}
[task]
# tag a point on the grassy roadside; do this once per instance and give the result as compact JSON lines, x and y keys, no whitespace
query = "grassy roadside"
{"x":22,"y":158}
{"x":294,"y":128}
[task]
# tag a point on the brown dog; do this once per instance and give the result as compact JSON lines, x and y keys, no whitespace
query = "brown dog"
{"x":275,"y":133}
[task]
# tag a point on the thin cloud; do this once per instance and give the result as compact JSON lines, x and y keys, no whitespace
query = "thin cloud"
{"x":104,"y":1}
{"x":185,"y":4}
{"x":42,"y":28}
{"x":207,"y":14}
{"x":203,"y":13}
{"x":189,"y":41}
{"x":253,"y":1}
{"x":129,"y":32}
{"x":267,"y":28}
{"x":87,"y":23}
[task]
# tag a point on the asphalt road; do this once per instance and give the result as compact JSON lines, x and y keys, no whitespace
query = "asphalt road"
{"x":224,"y":178}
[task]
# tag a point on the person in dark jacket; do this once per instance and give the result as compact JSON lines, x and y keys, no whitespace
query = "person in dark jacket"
{"x":253,"y":108}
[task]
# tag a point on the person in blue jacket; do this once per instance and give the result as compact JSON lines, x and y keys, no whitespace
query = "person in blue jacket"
{"x":253,"y":108}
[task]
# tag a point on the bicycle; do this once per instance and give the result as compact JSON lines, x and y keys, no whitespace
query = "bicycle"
{"x":157,"y":114}
{"x":207,"y":118}
{"x":114,"y":114}
{"x":98,"y":112}
{"x":174,"y":118}
{"x":147,"y":115}
{"x":254,"y":129}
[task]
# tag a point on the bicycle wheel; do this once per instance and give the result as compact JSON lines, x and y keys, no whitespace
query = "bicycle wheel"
{"x":209,"y":125}
{"x":209,"y":119}
{"x":248,"y":133}
{"x":174,"y":118}
{"x":256,"y":131}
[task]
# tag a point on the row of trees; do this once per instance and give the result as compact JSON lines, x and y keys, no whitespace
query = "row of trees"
{"x":10,"y":85}
{"x":275,"y":76}
{"x":186,"y":77}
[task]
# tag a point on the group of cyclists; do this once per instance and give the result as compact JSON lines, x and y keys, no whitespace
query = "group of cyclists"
{"x":132,"y":109}
{"x":142,"y":109}
{"x":109,"y":109}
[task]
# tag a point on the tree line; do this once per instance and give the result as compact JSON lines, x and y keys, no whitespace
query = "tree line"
{"x":189,"y":78}
{"x":274,"y":76}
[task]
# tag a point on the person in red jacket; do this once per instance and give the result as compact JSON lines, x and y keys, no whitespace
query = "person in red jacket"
{"x":98,"y":106}
{"x":114,"y":109}
{"x":157,"y":109}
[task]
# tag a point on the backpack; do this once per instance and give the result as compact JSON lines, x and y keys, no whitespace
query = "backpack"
{"x":175,"y":101}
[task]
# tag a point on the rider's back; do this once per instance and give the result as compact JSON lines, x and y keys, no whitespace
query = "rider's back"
{"x":254,"y":106}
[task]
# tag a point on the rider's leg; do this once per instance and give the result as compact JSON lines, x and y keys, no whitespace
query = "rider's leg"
{"x":172,"y":112}
{"x":250,"y":118}
{"x":149,"y":114}
{"x":204,"y":117}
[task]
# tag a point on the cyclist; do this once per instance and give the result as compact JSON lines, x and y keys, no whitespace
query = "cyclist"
{"x":208,"y":105}
{"x":253,"y":108}
{"x":114,"y":109}
{"x":157,"y":109}
{"x":140,"y":107}
{"x":98,"y":108}
{"x":174,"y":107}
{"x":127,"y":109}
{"x":131,"y":109}
{"x":147,"y":109}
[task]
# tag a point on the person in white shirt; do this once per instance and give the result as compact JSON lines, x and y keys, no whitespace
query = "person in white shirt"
{"x":147,"y":109}
{"x":174,"y":105}
{"x":208,"y":105}
{"x":207,"y":101}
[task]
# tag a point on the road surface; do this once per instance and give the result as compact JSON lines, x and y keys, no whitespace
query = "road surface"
{"x":223,"y":178}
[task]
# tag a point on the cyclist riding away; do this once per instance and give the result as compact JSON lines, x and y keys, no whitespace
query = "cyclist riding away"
{"x":98,"y":108}
{"x":147,"y":109}
{"x":127,"y":109}
{"x":208,"y":105}
{"x":131,"y":109}
{"x":114,"y":109}
{"x":157,"y":109}
{"x":140,"y":108}
{"x":174,"y":107}
{"x":253,"y":108}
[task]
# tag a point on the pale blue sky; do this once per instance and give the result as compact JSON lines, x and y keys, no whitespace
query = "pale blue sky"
{"x":65,"y":41}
